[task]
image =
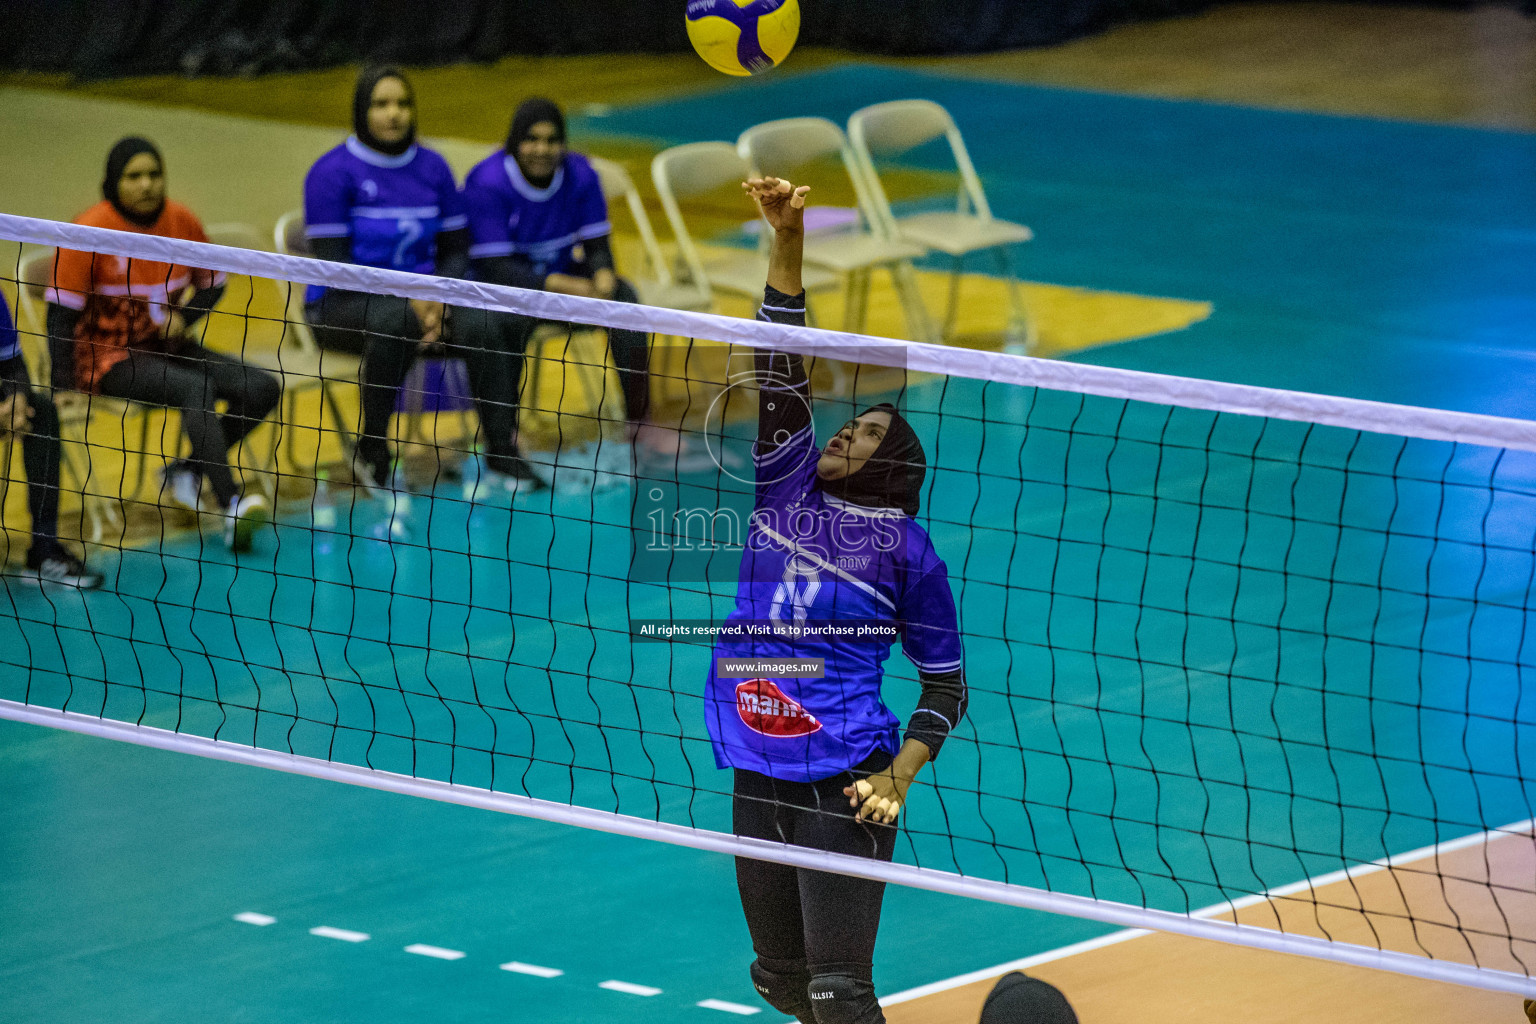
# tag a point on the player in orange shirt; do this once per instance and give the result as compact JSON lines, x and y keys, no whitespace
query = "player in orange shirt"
{"x":124,"y":328}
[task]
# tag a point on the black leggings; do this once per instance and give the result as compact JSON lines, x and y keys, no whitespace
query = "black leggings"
{"x":39,"y":450}
{"x":805,"y":923}
{"x":386,"y":333}
{"x":629,"y":349}
{"x":194,"y":380}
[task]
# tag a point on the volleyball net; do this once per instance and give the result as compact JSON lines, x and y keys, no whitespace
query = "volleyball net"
{"x":1230,"y":651}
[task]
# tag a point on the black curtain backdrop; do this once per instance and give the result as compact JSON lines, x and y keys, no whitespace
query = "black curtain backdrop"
{"x":111,"y":38}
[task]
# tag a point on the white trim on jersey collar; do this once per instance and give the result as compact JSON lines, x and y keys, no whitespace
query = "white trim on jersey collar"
{"x":527,"y":190}
{"x":358,"y":148}
{"x":863,"y":510}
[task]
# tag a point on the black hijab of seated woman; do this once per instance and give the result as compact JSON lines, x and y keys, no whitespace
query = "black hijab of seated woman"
{"x":111,"y":182}
{"x":893,"y":476}
{"x":362,"y":100}
{"x":530,"y":112}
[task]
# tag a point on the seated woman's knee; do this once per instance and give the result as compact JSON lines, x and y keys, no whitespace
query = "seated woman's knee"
{"x":263,"y":391}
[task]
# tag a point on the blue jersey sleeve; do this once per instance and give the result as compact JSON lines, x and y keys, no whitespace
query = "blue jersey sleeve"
{"x":930,"y":626}
{"x":450,"y":201}
{"x":588,"y":206}
{"x":327,"y":199}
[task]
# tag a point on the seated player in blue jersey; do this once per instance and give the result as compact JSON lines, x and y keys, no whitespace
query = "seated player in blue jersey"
{"x":380,"y":199}
{"x":31,"y":416}
{"x":832,"y":549}
{"x":538,"y":219}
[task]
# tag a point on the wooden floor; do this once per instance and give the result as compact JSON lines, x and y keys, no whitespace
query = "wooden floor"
{"x":1170,"y":979}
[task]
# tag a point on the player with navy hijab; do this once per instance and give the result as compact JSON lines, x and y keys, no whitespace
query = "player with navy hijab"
{"x":381,"y":199}
{"x":538,"y":219}
{"x":819,"y":762}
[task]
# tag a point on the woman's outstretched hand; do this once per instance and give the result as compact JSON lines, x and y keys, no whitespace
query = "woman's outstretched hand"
{"x":783,"y":204}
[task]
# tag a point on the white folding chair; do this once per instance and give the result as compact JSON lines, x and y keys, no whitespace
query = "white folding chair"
{"x":688,"y":171}
{"x":659,"y":287}
{"x":298,"y":355}
{"x":887,"y":129}
{"x":782,"y":147}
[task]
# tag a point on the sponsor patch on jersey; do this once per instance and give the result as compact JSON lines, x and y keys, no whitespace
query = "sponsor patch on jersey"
{"x":765,"y":709}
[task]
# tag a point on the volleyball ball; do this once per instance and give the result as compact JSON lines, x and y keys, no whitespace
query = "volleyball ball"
{"x":743,"y":37}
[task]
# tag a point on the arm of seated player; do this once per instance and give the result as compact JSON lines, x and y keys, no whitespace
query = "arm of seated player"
{"x":599,"y":259}
{"x":186,"y":316}
{"x":452,"y":261}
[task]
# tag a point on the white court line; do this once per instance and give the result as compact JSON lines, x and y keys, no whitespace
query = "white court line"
{"x":436,"y":952}
{"x":1216,"y":910}
{"x":931,"y":879}
{"x":533,"y":969}
{"x":327,"y":932}
{"x":631,"y":989}
{"x":721,"y":1004}
{"x":251,"y":917}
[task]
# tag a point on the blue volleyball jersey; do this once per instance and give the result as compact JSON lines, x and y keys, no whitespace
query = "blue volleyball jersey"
{"x":812,"y":558}
{"x":508,"y":216}
{"x":10,"y":344}
{"x":390,"y":207}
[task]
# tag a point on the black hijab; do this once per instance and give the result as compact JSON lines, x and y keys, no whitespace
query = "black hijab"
{"x":529,"y":113}
{"x":893,"y":476}
{"x":362,"y":99}
{"x":1020,"y":999}
{"x":117,"y":160}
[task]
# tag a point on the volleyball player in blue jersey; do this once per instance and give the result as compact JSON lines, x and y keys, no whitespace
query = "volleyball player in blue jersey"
{"x":381,"y":199}
{"x":538,"y":220}
{"x":818,"y":761}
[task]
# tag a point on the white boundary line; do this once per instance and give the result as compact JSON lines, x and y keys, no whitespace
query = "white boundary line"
{"x":1378,"y":417}
{"x":1215,"y":910}
{"x":793,"y":856}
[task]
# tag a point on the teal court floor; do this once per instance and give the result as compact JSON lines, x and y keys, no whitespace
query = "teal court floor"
{"x":1278,"y":672}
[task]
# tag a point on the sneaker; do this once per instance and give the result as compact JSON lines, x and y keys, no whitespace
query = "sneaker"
{"x":509,"y":475}
{"x":245,"y":516}
{"x":373,"y":474}
{"x":54,"y":564}
{"x":183,"y":484}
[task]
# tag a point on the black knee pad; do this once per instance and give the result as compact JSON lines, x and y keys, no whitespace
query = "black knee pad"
{"x":784,"y":991}
{"x":840,"y":999}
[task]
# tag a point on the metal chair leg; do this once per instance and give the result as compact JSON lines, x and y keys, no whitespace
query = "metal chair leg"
{"x":957,"y":268}
{"x":904,"y":280}
{"x":1021,"y":322}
